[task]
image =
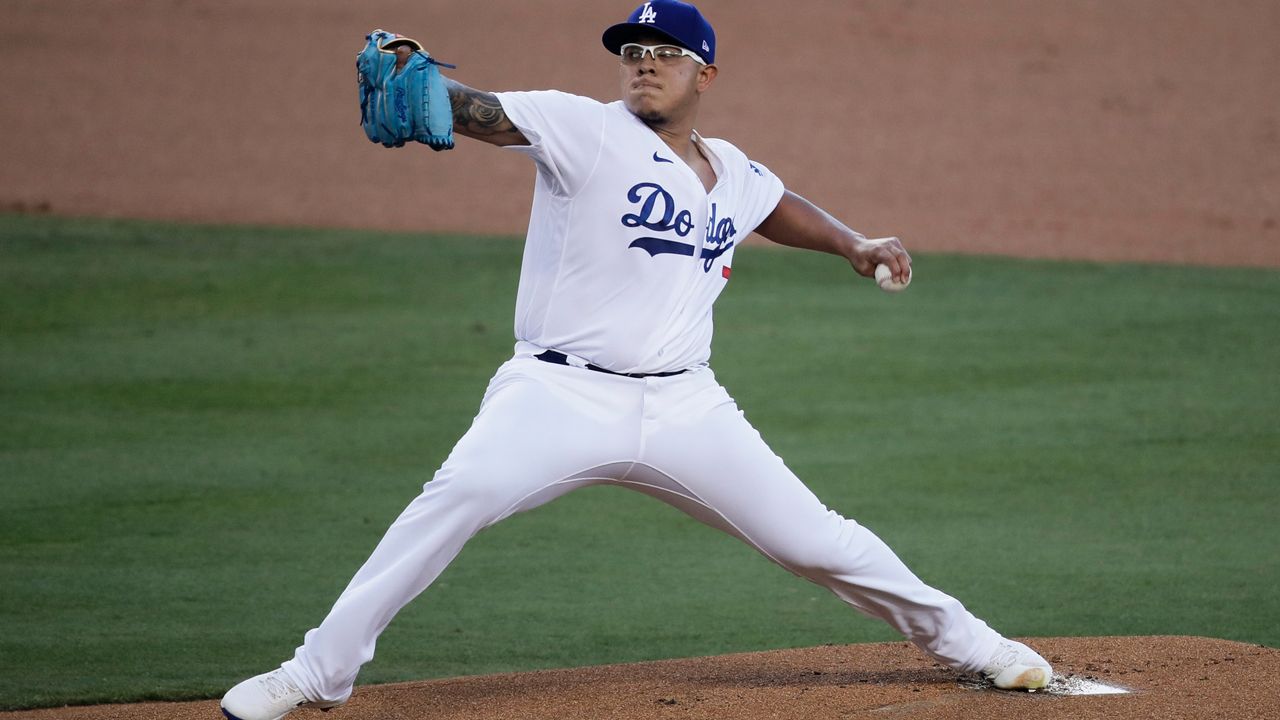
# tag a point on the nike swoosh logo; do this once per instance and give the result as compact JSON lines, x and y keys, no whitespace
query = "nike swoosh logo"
{"x":659,"y":158}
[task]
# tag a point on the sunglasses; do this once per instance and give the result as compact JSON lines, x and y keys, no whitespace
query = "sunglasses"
{"x":633,"y":53}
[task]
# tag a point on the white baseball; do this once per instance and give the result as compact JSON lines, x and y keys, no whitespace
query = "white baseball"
{"x":884,"y":278}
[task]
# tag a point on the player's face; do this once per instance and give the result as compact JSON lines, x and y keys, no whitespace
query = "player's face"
{"x":663,"y":91}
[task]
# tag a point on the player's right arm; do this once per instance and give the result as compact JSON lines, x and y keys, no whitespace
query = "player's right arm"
{"x":479,"y":115}
{"x":799,"y":223}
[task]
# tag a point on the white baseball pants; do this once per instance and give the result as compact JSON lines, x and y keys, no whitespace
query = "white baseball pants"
{"x":544,"y":430}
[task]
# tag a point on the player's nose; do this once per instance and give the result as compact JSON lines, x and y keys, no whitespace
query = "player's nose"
{"x":647,"y":64}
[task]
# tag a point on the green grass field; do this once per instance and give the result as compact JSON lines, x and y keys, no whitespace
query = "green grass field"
{"x":203,"y":432}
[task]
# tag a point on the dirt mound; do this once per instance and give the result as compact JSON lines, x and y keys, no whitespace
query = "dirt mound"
{"x":1166,"y":677}
{"x":1129,"y":129}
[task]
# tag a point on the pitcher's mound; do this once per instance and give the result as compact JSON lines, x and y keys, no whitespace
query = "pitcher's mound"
{"x":1132,"y":677}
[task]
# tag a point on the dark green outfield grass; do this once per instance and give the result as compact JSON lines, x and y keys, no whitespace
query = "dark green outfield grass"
{"x":203,"y":431}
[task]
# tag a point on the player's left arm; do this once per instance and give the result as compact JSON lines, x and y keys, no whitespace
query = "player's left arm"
{"x":796,"y":222}
{"x":478,"y":114}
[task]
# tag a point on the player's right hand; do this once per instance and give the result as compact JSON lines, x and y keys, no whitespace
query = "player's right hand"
{"x":868,"y":253}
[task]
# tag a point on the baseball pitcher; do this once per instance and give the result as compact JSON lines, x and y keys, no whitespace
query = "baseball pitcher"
{"x":635,"y":221}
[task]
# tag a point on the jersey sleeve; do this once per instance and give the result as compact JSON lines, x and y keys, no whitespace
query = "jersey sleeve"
{"x":565,"y":134}
{"x":759,"y":190}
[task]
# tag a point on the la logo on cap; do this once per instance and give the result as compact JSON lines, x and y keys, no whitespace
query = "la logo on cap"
{"x":648,"y":15}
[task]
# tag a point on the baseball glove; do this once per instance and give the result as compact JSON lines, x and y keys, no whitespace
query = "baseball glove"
{"x":402,"y":94}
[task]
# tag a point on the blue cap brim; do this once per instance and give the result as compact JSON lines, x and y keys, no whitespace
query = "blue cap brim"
{"x":618,"y":35}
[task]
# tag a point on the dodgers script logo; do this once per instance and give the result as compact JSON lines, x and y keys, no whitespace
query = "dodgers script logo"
{"x":658,"y":212}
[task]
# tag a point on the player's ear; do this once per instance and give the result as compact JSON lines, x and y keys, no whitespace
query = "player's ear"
{"x":707,"y":75}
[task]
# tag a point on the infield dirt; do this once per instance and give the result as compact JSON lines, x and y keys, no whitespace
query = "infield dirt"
{"x":1169,"y":678}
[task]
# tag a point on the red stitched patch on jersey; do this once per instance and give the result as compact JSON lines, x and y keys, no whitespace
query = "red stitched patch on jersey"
{"x":725,"y":270}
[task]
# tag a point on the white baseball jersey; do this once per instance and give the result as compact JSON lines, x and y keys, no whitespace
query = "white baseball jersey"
{"x":626,"y":250}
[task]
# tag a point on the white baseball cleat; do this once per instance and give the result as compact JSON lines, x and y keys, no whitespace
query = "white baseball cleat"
{"x":269,"y":696}
{"x":1014,"y":666}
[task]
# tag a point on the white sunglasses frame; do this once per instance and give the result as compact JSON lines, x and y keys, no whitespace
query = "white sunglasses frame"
{"x":650,"y":49}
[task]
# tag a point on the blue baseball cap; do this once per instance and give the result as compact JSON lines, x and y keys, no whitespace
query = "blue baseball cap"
{"x":679,"y":22}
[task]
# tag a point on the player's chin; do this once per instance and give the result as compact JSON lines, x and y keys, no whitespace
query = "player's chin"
{"x":646,"y":111}
{"x":653,"y":117}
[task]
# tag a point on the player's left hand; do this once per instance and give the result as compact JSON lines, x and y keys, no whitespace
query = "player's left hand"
{"x":402,"y":93}
{"x":868,"y":253}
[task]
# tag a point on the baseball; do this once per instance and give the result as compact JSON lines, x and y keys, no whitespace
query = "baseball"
{"x":884,"y":278}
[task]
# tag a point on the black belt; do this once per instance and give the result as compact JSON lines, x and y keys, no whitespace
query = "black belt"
{"x":556,"y":357}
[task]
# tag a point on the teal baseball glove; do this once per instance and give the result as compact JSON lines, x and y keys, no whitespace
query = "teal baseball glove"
{"x":402,"y":93}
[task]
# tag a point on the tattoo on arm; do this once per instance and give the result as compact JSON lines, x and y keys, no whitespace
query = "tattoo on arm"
{"x":479,"y":115}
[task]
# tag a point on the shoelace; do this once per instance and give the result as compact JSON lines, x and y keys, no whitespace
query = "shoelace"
{"x":279,"y":688}
{"x":1008,"y":656}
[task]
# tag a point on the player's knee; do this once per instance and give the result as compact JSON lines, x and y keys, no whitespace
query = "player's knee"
{"x":821,"y":552}
{"x":811,"y":559}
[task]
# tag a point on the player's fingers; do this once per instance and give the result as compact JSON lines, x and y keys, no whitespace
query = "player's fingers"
{"x":403,"y":52}
{"x":873,"y":253}
{"x":889,"y":252}
{"x":904,"y":265}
